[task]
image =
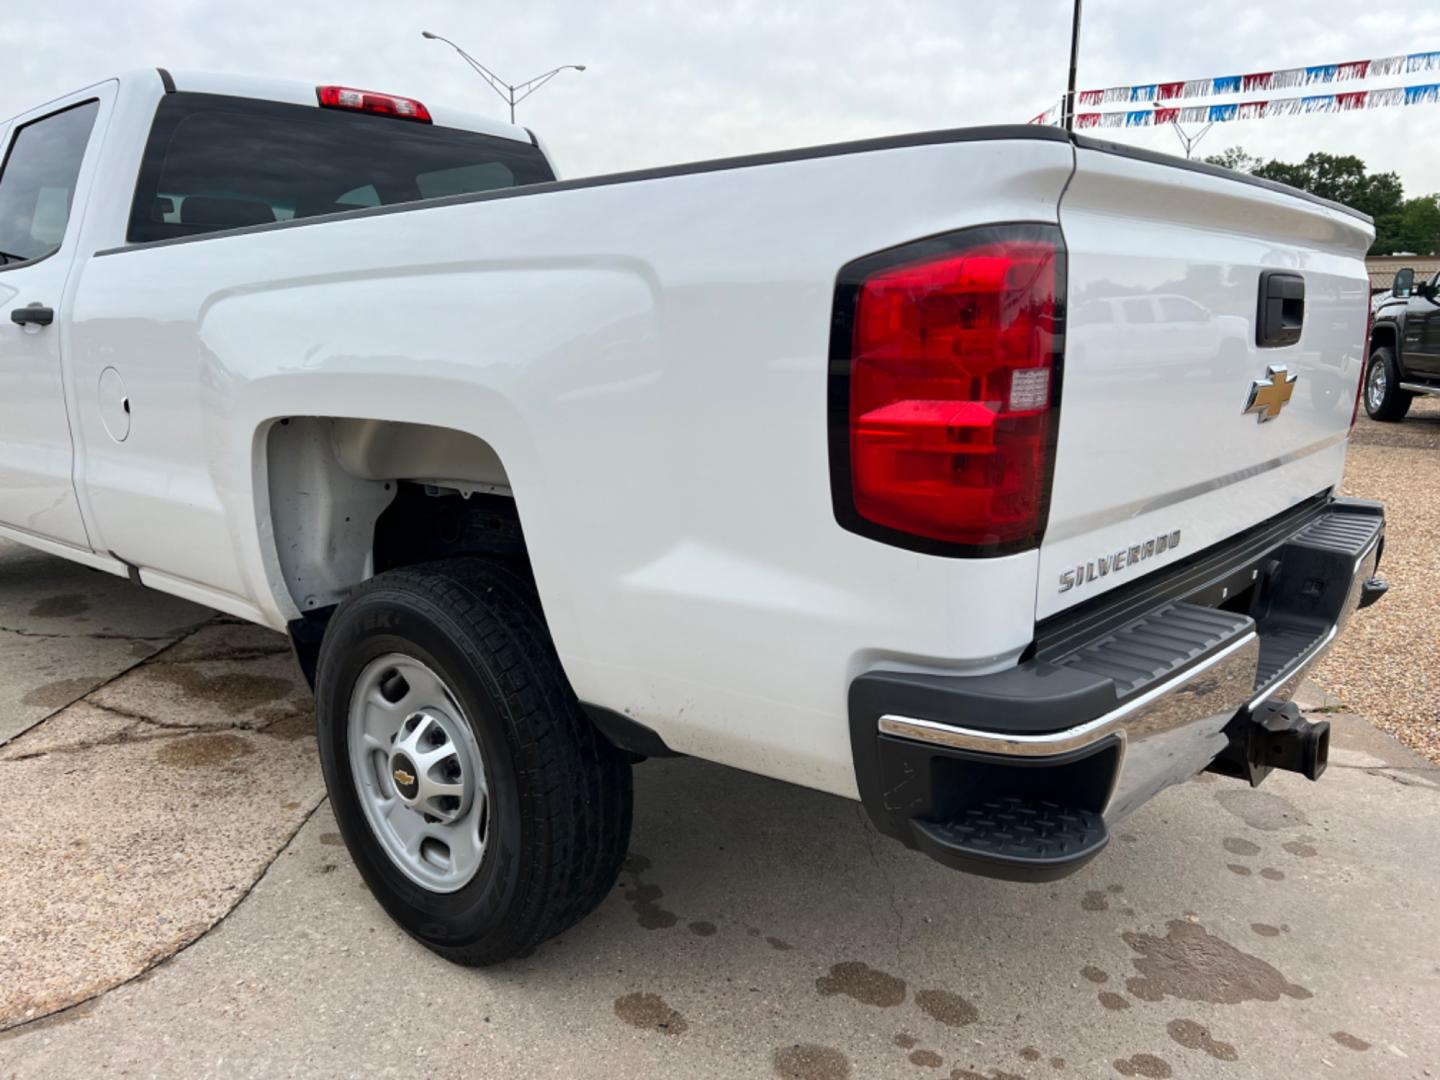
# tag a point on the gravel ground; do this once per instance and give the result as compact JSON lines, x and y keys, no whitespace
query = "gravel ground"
{"x":1386,"y":665}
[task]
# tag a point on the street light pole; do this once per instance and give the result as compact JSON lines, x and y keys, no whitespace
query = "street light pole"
{"x":513,"y":93}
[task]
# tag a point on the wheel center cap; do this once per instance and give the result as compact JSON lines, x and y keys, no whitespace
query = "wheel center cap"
{"x":405,"y":776}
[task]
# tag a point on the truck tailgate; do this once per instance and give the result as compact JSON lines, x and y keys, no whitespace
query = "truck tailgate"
{"x":1160,"y":453}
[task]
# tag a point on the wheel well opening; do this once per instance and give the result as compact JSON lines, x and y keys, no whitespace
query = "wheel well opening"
{"x":1382,"y":334}
{"x":351,"y":498}
{"x":427,"y":523}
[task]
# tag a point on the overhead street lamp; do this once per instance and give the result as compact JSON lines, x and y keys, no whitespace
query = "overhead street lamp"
{"x":1187,"y":140}
{"x":514,"y":93}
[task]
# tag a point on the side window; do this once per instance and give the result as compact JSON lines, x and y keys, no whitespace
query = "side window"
{"x":37,"y":183}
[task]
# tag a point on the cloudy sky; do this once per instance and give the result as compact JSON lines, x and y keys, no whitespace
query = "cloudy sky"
{"x":674,"y":81}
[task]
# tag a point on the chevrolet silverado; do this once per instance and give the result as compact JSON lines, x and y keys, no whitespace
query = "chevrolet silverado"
{"x":960,"y":473}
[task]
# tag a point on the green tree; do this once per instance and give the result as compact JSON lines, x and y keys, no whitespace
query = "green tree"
{"x":1236,"y":158}
{"x":1419,"y":229}
{"x":1343,"y":178}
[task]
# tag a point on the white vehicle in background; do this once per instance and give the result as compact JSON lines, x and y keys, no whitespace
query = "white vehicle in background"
{"x":1152,"y":330}
{"x":785,"y":462}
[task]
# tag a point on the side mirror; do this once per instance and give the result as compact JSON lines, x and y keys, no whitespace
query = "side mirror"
{"x":1404,"y":283}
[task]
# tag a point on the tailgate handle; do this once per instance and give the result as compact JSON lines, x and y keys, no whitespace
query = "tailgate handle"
{"x":1281,"y":310}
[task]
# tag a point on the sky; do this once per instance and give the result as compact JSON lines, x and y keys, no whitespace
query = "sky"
{"x":672,"y":81}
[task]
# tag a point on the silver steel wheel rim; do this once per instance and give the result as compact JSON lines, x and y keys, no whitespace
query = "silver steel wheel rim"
{"x":418,"y":772}
{"x":1375,"y":386}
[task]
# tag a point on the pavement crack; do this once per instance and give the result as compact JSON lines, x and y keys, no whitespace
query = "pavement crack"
{"x":124,"y":714}
{"x":91,"y":635}
{"x":254,"y":652}
{"x":171,"y":725}
{"x":866,"y":830}
{"x":101,"y":685}
{"x":1396,"y":776}
{"x":38,"y":1022}
{"x":123,"y":737}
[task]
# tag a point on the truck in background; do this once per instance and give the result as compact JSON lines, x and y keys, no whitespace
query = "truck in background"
{"x":1404,"y":347}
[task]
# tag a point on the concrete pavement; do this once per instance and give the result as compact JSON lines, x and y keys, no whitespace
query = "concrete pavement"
{"x":759,"y":930}
{"x":146,"y":777}
{"x":65,"y":629}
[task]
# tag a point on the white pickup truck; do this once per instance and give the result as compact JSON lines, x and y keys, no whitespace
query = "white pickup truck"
{"x":986,"y":476}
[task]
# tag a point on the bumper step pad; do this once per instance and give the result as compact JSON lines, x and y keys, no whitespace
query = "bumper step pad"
{"x":1313,"y":590}
{"x":1281,"y":646}
{"x":1011,"y":837}
{"x":1344,"y":534}
{"x":1153,"y":648}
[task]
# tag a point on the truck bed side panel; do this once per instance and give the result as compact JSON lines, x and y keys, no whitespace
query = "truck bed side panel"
{"x":649,"y":360}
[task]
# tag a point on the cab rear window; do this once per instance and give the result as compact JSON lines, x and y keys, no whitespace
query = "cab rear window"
{"x":214,"y":162}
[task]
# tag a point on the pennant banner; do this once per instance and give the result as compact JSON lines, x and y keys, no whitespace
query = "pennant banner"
{"x":1159,"y":115}
{"x":1285,"y":79}
{"x":1050,"y":116}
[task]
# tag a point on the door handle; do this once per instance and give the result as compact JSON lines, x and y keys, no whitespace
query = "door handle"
{"x":35,"y":314}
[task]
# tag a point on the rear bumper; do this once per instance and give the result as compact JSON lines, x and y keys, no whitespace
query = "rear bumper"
{"x":1020,"y":774}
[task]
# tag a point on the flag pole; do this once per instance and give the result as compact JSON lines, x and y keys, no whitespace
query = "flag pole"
{"x":1074,"y":60}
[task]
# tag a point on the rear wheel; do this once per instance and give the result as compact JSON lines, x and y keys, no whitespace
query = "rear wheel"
{"x":1384,"y":400}
{"x":483,"y":809}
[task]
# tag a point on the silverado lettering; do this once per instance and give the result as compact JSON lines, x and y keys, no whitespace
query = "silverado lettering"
{"x":1135,"y":553}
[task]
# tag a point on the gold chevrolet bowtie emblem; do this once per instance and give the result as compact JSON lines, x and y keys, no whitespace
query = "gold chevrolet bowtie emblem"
{"x":1270,"y":394}
{"x":403,"y":778}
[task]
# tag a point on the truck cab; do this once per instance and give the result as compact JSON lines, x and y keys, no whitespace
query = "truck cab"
{"x":150,"y":158}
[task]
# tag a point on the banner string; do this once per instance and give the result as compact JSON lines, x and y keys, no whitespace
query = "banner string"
{"x":1159,"y":115}
{"x":1282,"y":79}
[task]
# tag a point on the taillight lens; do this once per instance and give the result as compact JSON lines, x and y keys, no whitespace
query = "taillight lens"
{"x":345,"y":97}
{"x":946,"y":358}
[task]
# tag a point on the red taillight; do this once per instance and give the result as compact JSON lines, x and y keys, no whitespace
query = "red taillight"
{"x":1364,"y":360}
{"x":344,"y":97}
{"x":951,"y":373}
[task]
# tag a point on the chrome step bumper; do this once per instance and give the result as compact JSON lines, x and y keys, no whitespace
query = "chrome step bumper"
{"x":1103,"y":721}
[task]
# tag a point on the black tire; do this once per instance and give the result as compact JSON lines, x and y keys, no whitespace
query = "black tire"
{"x":1394,"y":403}
{"x":560,"y":793}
